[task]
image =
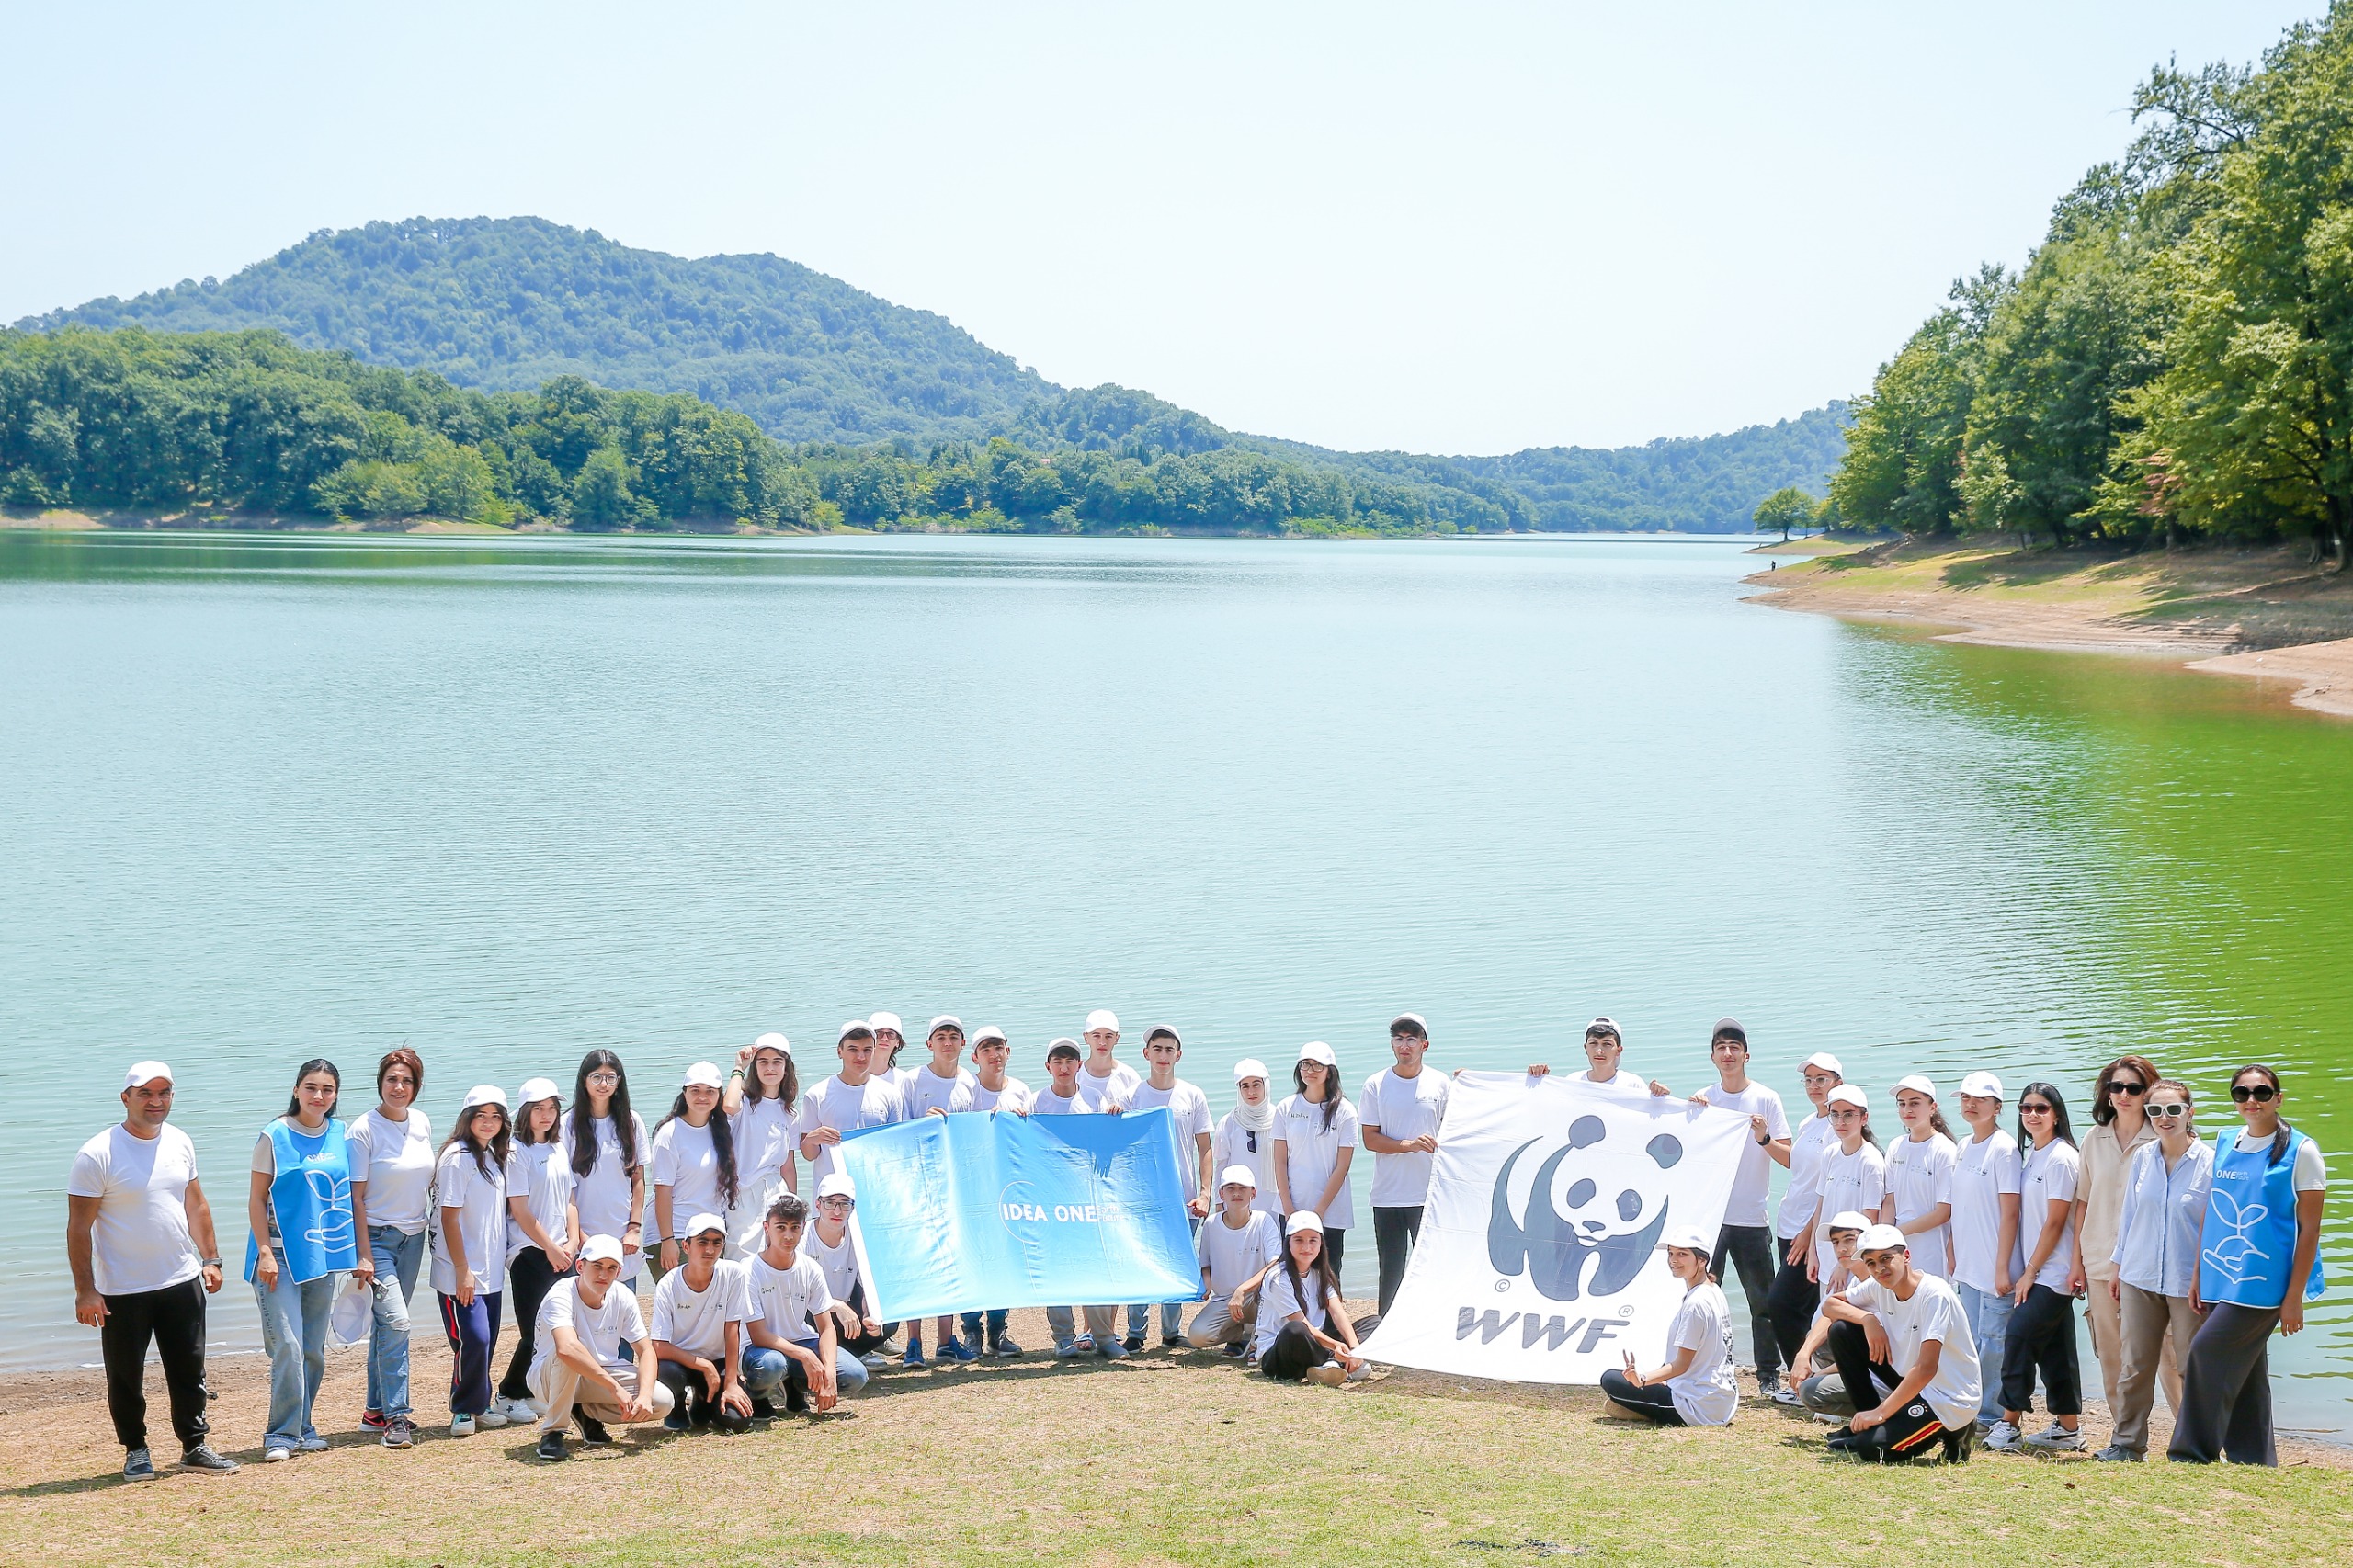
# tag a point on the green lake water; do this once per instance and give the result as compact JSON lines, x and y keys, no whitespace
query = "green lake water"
{"x":273,"y":797}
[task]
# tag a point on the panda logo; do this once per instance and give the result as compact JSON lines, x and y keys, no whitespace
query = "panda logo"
{"x":1588,"y":1250}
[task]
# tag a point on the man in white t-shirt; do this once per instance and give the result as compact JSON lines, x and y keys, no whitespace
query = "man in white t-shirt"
{"x":834,"y":1251}
{"x":594,"y":1359}
{"x":889,"y":1047}
{"x":1104,"y":1081}
{"x":699,"y":1311}
{"x":139,"y":1240}
{"x":1188,"y":1119}
{"x":1235,"y":1247}
{"x":1927,"y":1386}
{"x":939,"y":1088}
{"x":852,"y":1098}
{"x":1745,"y":1241}
{"x":796,"y":1345}
{"x":1397,"y":1119}
{"x":1063,"y":1096}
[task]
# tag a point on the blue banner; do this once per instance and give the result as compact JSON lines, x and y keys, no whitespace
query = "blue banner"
{"x":957,"y":1213}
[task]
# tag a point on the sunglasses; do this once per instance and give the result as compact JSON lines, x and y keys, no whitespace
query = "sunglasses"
{"x":2167,"y":1112}
{"x":2122,"y":1087}
{"x":2034,"y":1108}
{"x":1253,"y":1138}
{"x":2261,"y":1094}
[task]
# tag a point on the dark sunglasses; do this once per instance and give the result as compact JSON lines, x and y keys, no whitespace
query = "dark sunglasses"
{"x":2167,"y":1112}
{"x":2261,"y":1094}
{"x":1253,"y":1138}
{"x":2122,"y":1087}
{"x":2033,"y":1107}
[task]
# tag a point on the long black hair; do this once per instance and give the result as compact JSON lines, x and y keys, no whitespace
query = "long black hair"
{"x":1331,"y":1081}
{"x":1327,"y":1281}
{"x":321,"y":1065}
{"x":2279,"y":1133}
{"x":583,"y":1137}
{"x":2062,"y":1128}
{"x":484,"y":1154}
{"x":722,"y":1144}
{"x":788,"y":1091}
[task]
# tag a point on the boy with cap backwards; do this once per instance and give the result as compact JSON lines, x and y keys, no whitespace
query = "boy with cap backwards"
{"x":1105,"y":1080}
{"x":1397,"y":1119}
{"x":1746,"y":1240}
{"x":1065,"y":1097}
{"x":1189,"y":1117}
{"x":700,"y":1312}
{"x":1237,"y":1247}
{"x":852,"y":1098}
{"x":940,"y":1087}
{"x":1927,"y":1386}
{"x":589,"y":1332}
{"x":139,"y":1239}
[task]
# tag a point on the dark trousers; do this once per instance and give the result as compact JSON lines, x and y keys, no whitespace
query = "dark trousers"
{"x":859,"y":1343}
{"x":2226,"y":1389}
{"x":1651,"y":1402}
{"x":1911,"y":1431}
{"x":528,"y":1280}
{"x":1790,"y":1304}
{"x":1292,"y":1353}
{"x":691,"y":1400}
{"x":2043,"y":1338}
{"x":473,"y":1334}
{"x":1394,"y":1231}
{"x":1334,"y":1244}
{"x":174,"y":1318}
{"x":1749,"y":1248}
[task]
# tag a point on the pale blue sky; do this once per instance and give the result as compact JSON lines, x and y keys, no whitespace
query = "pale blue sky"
{"x":1446,"y":228}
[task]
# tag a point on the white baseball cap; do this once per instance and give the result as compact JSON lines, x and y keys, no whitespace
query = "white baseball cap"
{"x":1846,"y":1094}
{"x":772,"y":1042}
{"x":1850,"y":1220}
{"x":702,"y":1222}
{"x":880,"y":1021}
{"x":1410,"y":1023}
{"x":945,"y":1021}
{"x":605,"y":1248}
{"x":1101,"y":1019}
{"x":1238,"y":1176}
{"x":1607,"y":1024}
{"x":537,"y":1090}
{"x":1879,"y":1238}
{"x":837,"y":1184}
{"x":1690,"y":1238}
{"x":988,"y":1032}
{"x":146,"y":1073}
{"x":481,"y":1095}
{"x":1918,"y":1083}
{"x":1825,"y":1061}
{"x":1982,"y":1086}
{"x":1305,"y":1220}
{"x":855,"y":1027}
{"x":1249,"y":1067}
{"x":1316,"y":1051}
{"x":1156,"y":1030}
{"x":703,"y":1075}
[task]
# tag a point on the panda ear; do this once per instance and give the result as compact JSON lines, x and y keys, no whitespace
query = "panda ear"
{"x":1586,"y":1129}
{"x":1666,"y":1149}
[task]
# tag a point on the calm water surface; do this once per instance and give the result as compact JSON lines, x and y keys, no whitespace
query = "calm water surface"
{"x":275,"y":797}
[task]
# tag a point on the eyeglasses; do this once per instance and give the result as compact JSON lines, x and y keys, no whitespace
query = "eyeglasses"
{"x":2035,"y":1108}
{"x":2123,"y":1087}
{"x":606,"y":1079}
{"x":2261,"y":1094}
{"x":2167,"y":1112}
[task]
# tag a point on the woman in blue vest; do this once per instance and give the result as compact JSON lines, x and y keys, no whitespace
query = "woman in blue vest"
{"x":301,"y":1201}
{"x":2258,"y":1263}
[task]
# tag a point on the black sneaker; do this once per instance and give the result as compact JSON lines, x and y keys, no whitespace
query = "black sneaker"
{"x":551,"y":1445}
{"x":138,"y":1464}
{"x":1172,"y":1342}
{"x":201,"y":1456}
{"x":1238,"y":1350}
{"x":796,"y":1401}
{"x":1134,"y":1343}
{"x":1005,"y":1349}
{"x":762,"y":1410}
{"x":593,"y":1433}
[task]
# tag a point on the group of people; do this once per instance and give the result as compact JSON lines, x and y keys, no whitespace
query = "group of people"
{"x":679,"y":1275}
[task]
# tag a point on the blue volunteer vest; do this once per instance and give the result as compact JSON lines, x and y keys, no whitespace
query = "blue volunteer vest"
{"x":2250,"y":1238}
{"x":311,"y":1198}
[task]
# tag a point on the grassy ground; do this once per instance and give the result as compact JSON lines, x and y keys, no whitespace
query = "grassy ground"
{"x":1168,"y":1458}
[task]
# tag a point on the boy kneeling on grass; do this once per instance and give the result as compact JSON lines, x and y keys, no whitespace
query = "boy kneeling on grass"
{"x":1237,"y":1247}
{"x":589,"y":1329}
{"x":1928,"y":1385}
{"x":794,"y":1342}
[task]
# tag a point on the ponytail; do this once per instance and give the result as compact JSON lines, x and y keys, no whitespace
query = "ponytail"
{"x":2279,"y":1133}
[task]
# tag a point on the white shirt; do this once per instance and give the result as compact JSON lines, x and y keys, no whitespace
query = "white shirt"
{"x":1983,"y":1169}
{"x":1919,"y":1173}
{"x":603,"y":1193}
{"x":141,"y":1239}
{"x":763,"y":1140}
{"x":844,"y":1108}
{"x":2050,"y":1174}
{"x":1230,"y":1146}
{"x":840,"y":1263}
{"x":2311,"y":1167}
{"x":684,"y":1161}
{"x":1314,"y":1153}
{"x":786,"y":1300}
{"x":1102,"y":1094}
{"x":396,"y":1160}
{"x":1753,"y":1182}
{"x":1707,"y":1392}
{"x":1857,"y":1181}
{"x":608,"y":1332}
{"x":1049,"y":1103}
{"x":1933,"y":1313}
{"x":481,"y":1201}
{"x":1233,"y":1255}
{"x":927,"y":1091}
{"x":1189,"y":1117}
{"x":1404,"y":1109}
{"x":546,"y":1181}
{"x":695,"y":1320}
{"x":1014,"y":1097}
{"x":1810,"y":1145}
{"x":1277,"y":1303}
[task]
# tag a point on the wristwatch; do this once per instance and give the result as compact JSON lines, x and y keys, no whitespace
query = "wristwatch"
{"x":211,"y":1263}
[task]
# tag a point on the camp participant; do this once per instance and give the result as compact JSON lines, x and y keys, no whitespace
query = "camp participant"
{"x":1399,"y":1114}
{"x":796,"y":1342}
{"x":693,"y":1165}
{"x":605,"y":1143}
{"x":471,"y":1183}
{"x":392,"y":1154}
{"x":1796,"y":1296}
{"x":1919,"y":1178}
{"x":1064,"y":1095}
{"x":1927,"y":1387}
{"x":940,"y":1087}
{"x":763,"y":1092}
{"x":851,"y":1098}
{"x":1189,"y":1117}
{"x":1105,"y":1081}
{"x":538,"y":1185}
{"x":1853,"y":1173}
{"x":1302,"y":1329}
{"x":139,"y":1239}
{"x":1986,"y":1258}
{"x":1316,"y":1142}
{"x":992,"y":1089}
{"x":299,"y":1197}
{"x":2042,"y":1322}
{"x":2120,"y":1127}
{"x":1825,"y":1393}
{"x":2156,"y":1254}
{"x":2259,"y":1264}
{"x":1604,"y":1045}
{"x":890,"y":1044}
{"x":1235,"y":1245}
{"x":1745,"y":1241}
{"x":699,"y":1311}
{"x":594,"y":1359}
{"x":1246,"y":1135}
{"x":1697,"y":1387}
{"x":831,"y":1248}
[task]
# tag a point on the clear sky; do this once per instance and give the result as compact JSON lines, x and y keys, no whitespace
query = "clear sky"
{"x":1441,"y":227}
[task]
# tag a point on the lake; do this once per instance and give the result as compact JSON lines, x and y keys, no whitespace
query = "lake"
{"x":273,"y":797}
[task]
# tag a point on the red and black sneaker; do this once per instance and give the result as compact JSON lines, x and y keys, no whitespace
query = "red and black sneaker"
{"x":373,"y":1420}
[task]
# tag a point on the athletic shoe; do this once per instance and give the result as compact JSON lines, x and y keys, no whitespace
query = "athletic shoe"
{"x":1331,"y":1374}
{"x":1173,"y":1342}
{"x":1238,"y":1350}
{"x":875,"y":1358}
{"x":2002,"y":1437}
{"x":372,"y":1420}
{"x":399,"y":1432}
{"x":202,"y":1457}
{"x":517,"y":1410}
{"x":1135,"y":1343}
{"x":958,"y":1351}
{"x":2117,"y":1455}
{"x":314,"y":1444}
{"x":762,"y":1410}
{"x":462,"y":1425}
{"x":677,"y":1420}
{"x":276,"y":1456}
{"x":552,"y":1447}
{"x":593,"y":1433}
{"x":1768,"y":1388}
{"x":914,"y":1357}
{"x":1112,"y":1351}
{"x":1785,"y":1392}
{"x":489,"y":1420}
{"x":139,"y":1465}
{"x":1067,"y":1348}
{"x":2054,"y":1440}
{"x":1004,"y":1348}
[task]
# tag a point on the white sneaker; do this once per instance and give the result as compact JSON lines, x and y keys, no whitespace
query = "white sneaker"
{"x":518,"y":1412}
{"x":276,"y":1456}
{"x":2055,"y":1438}
{"x":491,"y":1419}
{"x":312,"y":1445}
{"x":462,"y":1426}
{"x":2002,"y":1437}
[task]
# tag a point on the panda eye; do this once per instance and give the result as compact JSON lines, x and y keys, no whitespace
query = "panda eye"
{"x":1580,"y":1194}
{"x":1630,"y":1203}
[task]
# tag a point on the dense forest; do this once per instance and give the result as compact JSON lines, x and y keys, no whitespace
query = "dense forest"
{"x":2175,"y":359}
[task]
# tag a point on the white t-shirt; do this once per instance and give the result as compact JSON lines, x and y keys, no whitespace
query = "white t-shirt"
{"x":396,"y":1160}
{"x":1983,"y":1169}
{"x":1404,"y":1109}
{"x":603,"y":1193}
{"x":481,"y":1202}
{"x":1315,"y":1152}
{"x":609,"y":1331}
{"x":846,"y":1108}
{"x":2050,"y":1174}
{"x":1014,"y":1097}
{"x":1753,"y":1182}
{"x":1102,"y":1094}
{"x":2311,"y":1167}
{"x":1233,"y":1255}
{"x":1708,"y":1392}
{"x":141,"y":1239}
{"x":1189,"y":1117}
{"x":927,"y":1091}
{"x":786,"y":1300}
{"x":1933,"y":1313}
{"x":1919,"y":1173}
{"x":1277,"y":1303}
{"x":1049,"y":1103}
{"x":840,"y":1263}
{"x":546,"y":1181}
{"x":1857,"y":1181}
{"x":695,"y":1320}
{"x":684,"y":1161}
{"x":763,"y":1140}
{"x":1810,"y":1145}
{"x":1230,"y":1146}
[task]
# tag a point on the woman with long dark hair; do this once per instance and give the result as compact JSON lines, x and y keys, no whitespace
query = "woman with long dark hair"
{"x":1796,"y":1294}
{"x":1697,"y":1387}
{"x":392,"y":1179}
{"x":1303,"y":1329}
{"x":605,"y":1145}
{"x":1919,"y":1178}
{"x":2259,"y":1265}
{"x":693,"y":1163}
{"x":763,"y":1095}
{"x":2043,"y":1319}
{"x":1854,"y":1175}
{"x":539,"y":1192}
{"x":471,"y":1184}
{"x":2120,"y":1127}
{"x":300,"y":1200}
{"x":1315,"y":1138}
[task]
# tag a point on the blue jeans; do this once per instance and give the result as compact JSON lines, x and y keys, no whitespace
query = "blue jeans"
{"x":398,"y":1258}
{"x":294,"y":1319}
{"x":1989,"y":1323}
{"x":1172,"y":1313}
{"x":972,"y":1326}
{"x":765,"y":1371}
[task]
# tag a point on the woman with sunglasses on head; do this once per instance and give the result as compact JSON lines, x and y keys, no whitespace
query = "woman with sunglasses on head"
{"x":2155,"y":1259}
{"x":1246,"y":1135}
{"x":2259,"y":1263}
{"x":2119,"y":1129}
{"x":2043,"y":1317}
{"x":605,"y":1143}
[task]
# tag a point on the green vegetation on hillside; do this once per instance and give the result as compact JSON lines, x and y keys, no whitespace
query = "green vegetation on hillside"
{"x":2175,"y":359}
